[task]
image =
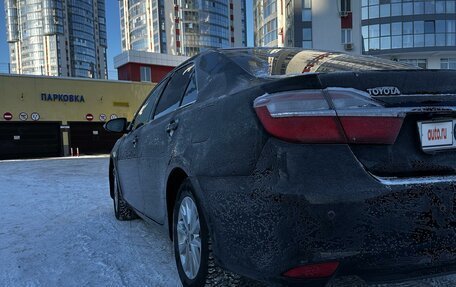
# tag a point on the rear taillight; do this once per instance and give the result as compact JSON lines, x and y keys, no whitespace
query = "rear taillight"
{"x":333,"y":115}
{"x":313,"y":271}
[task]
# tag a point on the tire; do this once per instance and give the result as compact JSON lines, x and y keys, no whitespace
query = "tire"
{"x":206,"y":273}
{"x":122,"y":211}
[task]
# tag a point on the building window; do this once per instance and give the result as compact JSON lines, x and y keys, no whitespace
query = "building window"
{"x":385,"y":43}
{"x":306,"y":15}
{"x":450,"y":7}
{"x":448,"y":63}
{"x":307,"y":44}
{"x":418,"y":27}
{"x":421,"y":63}
{"x":418,"y":8}
{"x":345,"y":5}
{"x":146,"y":74}
{"x":307,"y":34}
{"x":396,"y":9}
{"x":346,"y":36}
{"x":374,"y":11}
{"x":307,"y":4}
{"x":440,"y":7}
{"x":364,"y":13}
{"x":385,"y":29}
{"x":307,"y":38}
{"x":429,"y":7}
{"x":270,"y":8}
{"x":407,"y":8}
{"x":306,"y":10}
{"x":396,"y":42}
{"x":385,"y":10}
{"x":269,"y":32}
{"x":374,"y":44}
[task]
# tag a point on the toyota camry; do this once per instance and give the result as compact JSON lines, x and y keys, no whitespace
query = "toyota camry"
{"x":294,"y":167}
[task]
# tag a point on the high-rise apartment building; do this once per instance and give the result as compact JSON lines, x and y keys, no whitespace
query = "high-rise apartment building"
{"x":418,"y":32}
{"x":313,"y":24}
{"x":57,"y":37}
{"x":182,"y":27}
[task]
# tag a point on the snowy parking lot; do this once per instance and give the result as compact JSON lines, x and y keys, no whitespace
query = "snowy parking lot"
{"x":58,"y":229}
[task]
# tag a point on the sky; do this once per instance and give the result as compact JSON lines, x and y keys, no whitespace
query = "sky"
{"x":113,"y":27}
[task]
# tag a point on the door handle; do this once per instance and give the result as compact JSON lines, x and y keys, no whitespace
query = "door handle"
{"x":172,"y":126}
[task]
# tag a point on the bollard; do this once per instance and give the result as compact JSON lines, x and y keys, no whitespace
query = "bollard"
{"x":71,"y":152}
{"x":77,"y":152}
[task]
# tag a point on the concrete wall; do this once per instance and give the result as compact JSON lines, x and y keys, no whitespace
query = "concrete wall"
{"x":326,"y":26}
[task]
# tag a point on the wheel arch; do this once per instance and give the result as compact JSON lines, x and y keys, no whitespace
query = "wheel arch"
{"x":175,"y":179}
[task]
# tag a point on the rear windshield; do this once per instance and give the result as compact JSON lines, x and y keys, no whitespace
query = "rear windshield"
{"x":266,"y":62}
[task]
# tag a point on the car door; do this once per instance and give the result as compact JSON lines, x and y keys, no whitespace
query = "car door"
{"x":127,"y":165}
{"x":155,"y":149}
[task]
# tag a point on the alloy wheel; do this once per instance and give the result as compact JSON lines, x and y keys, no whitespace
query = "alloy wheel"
{"x":189,"y":237}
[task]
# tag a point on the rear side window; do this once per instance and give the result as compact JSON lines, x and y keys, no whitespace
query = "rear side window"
{"x":170,"y":99}
{"x":145,"y":111}
{"x":191,"y":93}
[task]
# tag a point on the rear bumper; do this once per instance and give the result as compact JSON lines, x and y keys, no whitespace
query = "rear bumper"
{"x":308,"y":204}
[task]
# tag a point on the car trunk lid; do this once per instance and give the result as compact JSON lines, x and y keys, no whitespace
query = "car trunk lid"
{"x":427,"y":101}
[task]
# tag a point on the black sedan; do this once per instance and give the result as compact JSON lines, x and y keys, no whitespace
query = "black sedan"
{"x":294,"y":167}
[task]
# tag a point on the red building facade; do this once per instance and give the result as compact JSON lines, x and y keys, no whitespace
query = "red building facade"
{"x":141,"y":66}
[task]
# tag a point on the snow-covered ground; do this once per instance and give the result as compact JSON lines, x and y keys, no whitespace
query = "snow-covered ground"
{"x":57,"y":228}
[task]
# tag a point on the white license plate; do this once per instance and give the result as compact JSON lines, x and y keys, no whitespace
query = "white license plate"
{"x":437,"y":135}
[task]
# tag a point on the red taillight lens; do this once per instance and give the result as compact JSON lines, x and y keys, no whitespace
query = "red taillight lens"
{"x":320,"y":270}
{"x":323,"y":129}
{"x":364,"y":120}
{"x":328,"y":116}
{"x":371,"y":130}
{"x":299,"y":116}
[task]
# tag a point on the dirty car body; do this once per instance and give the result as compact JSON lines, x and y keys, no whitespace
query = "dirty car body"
{"x":307,"y":165}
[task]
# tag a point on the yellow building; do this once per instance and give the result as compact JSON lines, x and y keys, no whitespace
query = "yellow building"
{"x":48,"y":116}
